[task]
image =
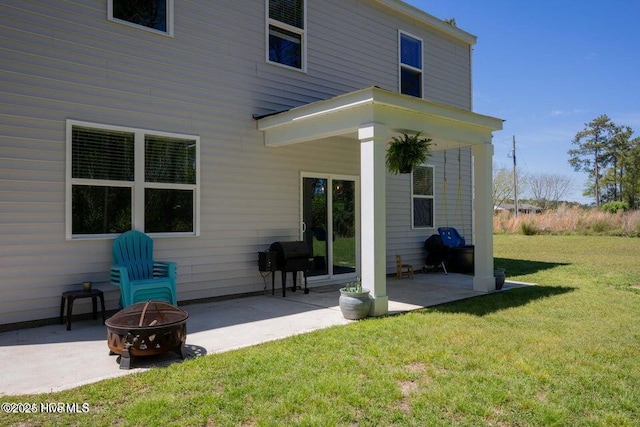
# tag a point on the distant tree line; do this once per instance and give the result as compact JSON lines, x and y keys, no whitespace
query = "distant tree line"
{"x":610,"y":155}
{"x":544,"y":190}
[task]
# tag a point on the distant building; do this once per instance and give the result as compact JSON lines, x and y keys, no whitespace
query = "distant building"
{"x":523,"y":208}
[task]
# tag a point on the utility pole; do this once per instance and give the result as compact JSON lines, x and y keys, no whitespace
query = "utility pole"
{"x":512,"y":154}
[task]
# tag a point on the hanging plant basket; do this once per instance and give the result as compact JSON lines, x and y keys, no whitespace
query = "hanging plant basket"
{"x":406,"y":152}
{"x":405,"y":169}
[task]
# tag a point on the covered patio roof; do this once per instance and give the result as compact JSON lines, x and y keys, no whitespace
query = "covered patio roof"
{"x":371,"y":116}
{"x":345,"y":114}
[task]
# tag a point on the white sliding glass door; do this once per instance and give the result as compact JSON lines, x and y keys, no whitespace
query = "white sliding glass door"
{"x":330,"y":224}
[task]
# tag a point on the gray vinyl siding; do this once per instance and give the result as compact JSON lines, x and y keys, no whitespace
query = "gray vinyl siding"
{"x":64,"y":60}
{"x":454,"y":210}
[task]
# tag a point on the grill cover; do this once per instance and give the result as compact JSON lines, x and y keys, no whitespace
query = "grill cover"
{"x":437,"y":252}
{"x":290,"y":249}
{"x":292,"y":256}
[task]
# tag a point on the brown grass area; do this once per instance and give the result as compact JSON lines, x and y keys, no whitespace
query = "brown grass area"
{"x":570,"y":220}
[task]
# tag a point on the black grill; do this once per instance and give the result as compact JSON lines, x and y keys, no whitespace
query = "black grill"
{"x":437,"y":253}
{"x":456,"y":260}
{"x":286,"y":257}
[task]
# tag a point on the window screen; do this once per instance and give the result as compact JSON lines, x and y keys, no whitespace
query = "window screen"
{"x":410,"y":65}
{"x":286,"y":33}
{"x":147,"y":13}
{"x":108,"y":184}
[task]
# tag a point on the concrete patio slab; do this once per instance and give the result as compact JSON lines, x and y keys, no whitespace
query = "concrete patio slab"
{"x":50,"y":358}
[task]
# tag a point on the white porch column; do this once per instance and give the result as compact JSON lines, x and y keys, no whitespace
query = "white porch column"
{"x":483,"y":279}
{"x":373,"y":217}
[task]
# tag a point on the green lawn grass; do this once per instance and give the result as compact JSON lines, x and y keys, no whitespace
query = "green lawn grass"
{"x":564,"y":353}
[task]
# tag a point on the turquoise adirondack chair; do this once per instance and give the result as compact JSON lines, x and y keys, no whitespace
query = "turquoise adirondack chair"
{"x":138,"y":276}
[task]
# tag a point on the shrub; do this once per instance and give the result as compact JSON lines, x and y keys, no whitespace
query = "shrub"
{"x":528,"y":228}
{"x":614,"y":207}
{"x":599,"y":226}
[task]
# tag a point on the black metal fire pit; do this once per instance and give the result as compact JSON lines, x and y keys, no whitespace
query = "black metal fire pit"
{"x":146,"y":329}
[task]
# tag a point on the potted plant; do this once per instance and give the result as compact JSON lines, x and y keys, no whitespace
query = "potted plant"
{"x":406,"y":152}
{"x":354,"y":301}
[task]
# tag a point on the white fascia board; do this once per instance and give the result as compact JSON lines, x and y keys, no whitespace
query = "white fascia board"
{"x":344,"y":114}
{"x":377,"y":96}
{"x":423,"y":106}
{"x":319,"y":108}
{"x":430,"y":20}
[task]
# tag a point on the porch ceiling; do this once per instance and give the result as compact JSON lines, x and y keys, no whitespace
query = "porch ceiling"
{"x":343,"y":115}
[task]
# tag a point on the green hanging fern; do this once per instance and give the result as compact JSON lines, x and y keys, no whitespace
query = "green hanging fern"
{"x":406,"y":152}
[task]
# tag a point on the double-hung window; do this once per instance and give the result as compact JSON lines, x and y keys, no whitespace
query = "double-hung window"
{"x":123,"y":178}
{"x":154,"y":15}
{"x":410,"y":60}
{"x":286,"y":34}
{"x":422,"y":184}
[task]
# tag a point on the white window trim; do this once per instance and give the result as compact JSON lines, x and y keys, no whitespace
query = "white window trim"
{"x":419,"y":196}
{"x":301,"y":31}
{"x":401,"y":65}
{"x":168,"y":33}
{"x":138,"y":185}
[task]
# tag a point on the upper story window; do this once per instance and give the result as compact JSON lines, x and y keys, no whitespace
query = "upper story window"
{"x":120,"y":179}
{"x":410,"y":60}
{"x":286,"y":33}
{"x":154,"y":15}
{"x":422,"y":183}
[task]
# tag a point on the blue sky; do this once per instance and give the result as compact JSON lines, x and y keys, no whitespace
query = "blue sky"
{"x":547,"y":68}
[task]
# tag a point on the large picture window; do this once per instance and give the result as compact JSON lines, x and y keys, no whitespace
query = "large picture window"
{"x":155,"y":15}
{"x":422,"y":196}
{"x":121,"y":178}
{"x":410,"y":53}
{"x":286,"y":33}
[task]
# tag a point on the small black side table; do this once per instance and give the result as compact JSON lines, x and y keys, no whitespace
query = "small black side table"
{"x":71,"y":296}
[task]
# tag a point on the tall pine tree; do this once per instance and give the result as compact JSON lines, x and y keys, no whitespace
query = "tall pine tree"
{"x":592,"y":154}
